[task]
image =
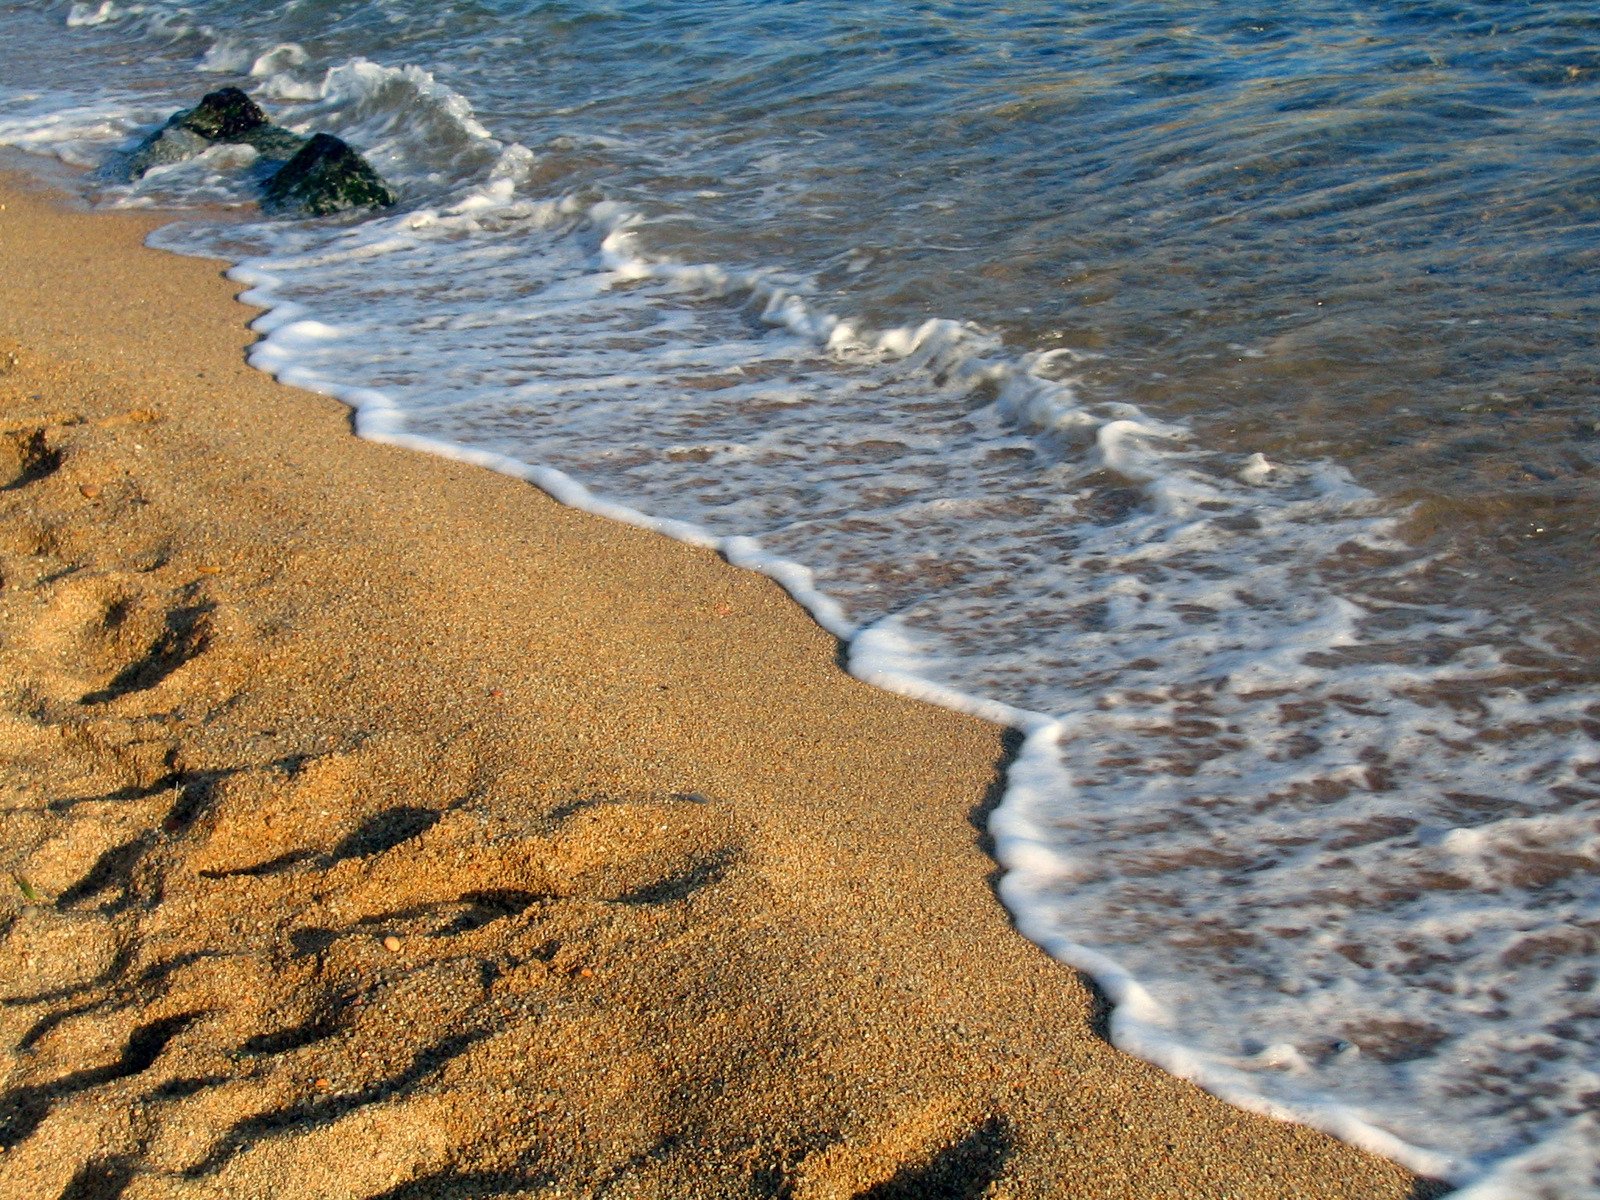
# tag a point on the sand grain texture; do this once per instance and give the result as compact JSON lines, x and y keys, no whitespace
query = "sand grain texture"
{"x":394,"y":832}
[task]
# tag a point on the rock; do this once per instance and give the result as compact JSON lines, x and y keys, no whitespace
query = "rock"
{"x":326,"y":176}
{"x":227,"y":115}
{"x":224,"y":117}
{"x":319,"y":175}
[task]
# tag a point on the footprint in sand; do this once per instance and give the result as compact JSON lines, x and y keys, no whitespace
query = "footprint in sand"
{"x":930,"y":1150}
{"x":26,"y":456}
{"x":275,"y":903}
{"x":100,"y":636}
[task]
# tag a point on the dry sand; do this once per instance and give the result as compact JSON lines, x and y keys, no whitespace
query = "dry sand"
{"x":374,"y":826}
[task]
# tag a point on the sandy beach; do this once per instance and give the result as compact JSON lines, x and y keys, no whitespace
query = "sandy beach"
{"x":375,"y":827}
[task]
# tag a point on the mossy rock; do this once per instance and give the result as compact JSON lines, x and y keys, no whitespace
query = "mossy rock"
{"x":225,"y":115}
{"x":319,"y":175}
{"x":326,"y":176}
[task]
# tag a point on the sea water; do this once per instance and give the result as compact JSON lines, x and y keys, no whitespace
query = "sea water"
{"x":1208,"y":391}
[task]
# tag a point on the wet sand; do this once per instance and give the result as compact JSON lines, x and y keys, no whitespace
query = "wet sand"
{"x":375,"y":827}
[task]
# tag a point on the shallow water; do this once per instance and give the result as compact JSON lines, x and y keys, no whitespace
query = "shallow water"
{"x":1210,"y":396}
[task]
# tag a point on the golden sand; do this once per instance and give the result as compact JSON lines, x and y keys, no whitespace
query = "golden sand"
{"x":373,"y":826}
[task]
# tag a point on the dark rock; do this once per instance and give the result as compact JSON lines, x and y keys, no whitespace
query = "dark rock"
{"x":318,"y":175}
{"x":326,"y":176}
{"x":231,"y":116}
{"x":226,"y":115}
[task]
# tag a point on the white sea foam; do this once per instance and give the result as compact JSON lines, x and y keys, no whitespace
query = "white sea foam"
{"x":1327,"y":851}
{"x":165,"y":21}
{"x":97,"y":14}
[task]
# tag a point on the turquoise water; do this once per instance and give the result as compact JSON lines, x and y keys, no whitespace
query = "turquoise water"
{"x":1209,"y":394}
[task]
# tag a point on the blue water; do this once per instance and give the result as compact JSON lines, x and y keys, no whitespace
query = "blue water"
{"x":1211,"y":395}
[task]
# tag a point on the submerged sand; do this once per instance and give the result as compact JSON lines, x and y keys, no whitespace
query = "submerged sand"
{"x":372,"y":826}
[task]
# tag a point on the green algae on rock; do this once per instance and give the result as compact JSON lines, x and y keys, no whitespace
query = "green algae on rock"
{"x":318,"y":175}
{"x":225,"y":116}
{"x":326,"y":176}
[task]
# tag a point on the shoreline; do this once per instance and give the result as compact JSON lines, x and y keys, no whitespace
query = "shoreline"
{"x":678,"y":907}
